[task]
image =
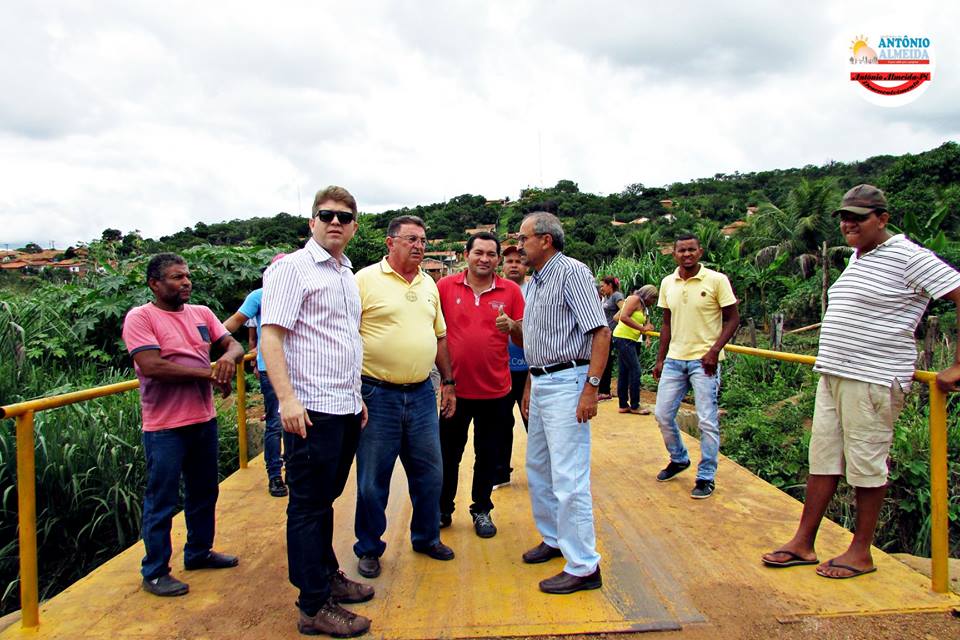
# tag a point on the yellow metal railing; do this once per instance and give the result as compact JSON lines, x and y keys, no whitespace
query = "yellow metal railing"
{"x":23,"y":413}
{"x":939,"y":493}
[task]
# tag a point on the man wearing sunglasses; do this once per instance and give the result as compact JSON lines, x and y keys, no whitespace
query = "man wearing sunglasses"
{"x":403,"y":334}
{"x":866,"y":363}
{"x":312,"y":349}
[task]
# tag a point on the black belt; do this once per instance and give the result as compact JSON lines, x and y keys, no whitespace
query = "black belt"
{"x":392,"y":385}
{"x":560,"y":366}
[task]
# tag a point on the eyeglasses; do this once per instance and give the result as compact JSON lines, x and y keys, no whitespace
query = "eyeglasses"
{"x":327,"y":215}
{"x":522,"y":238}
{"x":421,"y":240}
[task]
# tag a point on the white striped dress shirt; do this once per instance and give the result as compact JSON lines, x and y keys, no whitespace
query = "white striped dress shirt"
{"x":317,"y":301}
{"x":874,"y":308}
{"x":562,"y":308}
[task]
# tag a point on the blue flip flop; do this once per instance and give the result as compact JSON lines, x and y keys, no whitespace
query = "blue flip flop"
{"x":794,"y":561}
{"x":854,"y":572}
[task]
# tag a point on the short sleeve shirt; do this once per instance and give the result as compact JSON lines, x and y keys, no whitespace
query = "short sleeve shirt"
{"x":874,"y":308}
{"x":695,"y":304}
{"x":183,"y":337}
{"x":563,"y":309}
{"x":478,"y":350}
{"x":400,"y":324}
{"x":251,"y":309}
{"x":611,"y":304}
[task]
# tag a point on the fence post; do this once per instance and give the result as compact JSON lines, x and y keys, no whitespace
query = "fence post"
{"x":939,"y":496}
{"x":776,"y":332}
{"x":242,"y":414}
{"x":27,"y":520}
{"x":825,"y":264}
{"x":752,"y":333}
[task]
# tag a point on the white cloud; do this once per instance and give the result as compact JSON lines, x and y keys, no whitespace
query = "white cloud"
{"x":157,"y":116}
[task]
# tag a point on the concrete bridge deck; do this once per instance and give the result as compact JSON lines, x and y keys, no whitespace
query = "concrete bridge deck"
{"x":670,"y":564}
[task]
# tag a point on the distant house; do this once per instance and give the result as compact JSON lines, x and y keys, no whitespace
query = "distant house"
{"x":733,"y":227}
{"x":434,"y":268}
{"x":617,"y":223}
{"x":667,"y":204}
{"x":492,"y":228}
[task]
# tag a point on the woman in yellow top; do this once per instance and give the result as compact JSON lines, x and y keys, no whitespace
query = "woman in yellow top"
{"x":632,"y":319}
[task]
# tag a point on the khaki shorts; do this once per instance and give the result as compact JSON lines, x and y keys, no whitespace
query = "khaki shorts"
{"x":853,"y":428}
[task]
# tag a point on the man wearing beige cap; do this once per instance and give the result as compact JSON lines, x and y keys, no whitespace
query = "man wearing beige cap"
{"x":866,"y":364}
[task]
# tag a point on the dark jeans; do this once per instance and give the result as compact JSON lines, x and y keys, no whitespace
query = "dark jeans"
{"x":273,"y":429}
{"x":191,"y":451}
{"x":491,"y":419}
{"x":404,"y":424}
{"x":317,"y":470}
{"x":607,"y":374}
{"x":502,"y":473}
{"x":628,"y":379}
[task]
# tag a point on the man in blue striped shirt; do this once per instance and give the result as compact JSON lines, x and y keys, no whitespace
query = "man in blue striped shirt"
{"x":566,"y":342}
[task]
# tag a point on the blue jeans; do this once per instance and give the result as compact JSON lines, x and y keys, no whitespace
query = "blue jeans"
{"x":317,"y":470}
{"x":677,"y":378}
{"x":558,"y":469}
{"x":628,"y":380}
{"x":191,"y":451}
{"x":273,"y":430}
{"x":404,"y":424}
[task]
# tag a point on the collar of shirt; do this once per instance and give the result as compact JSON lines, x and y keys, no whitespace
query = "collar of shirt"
{"x":550,"y":264}
{"x":889,"y":242}
{"x":319,"y":254}
{"x":386,"y":268}
{"x":698,"y":276}
{"x":461,"y":278}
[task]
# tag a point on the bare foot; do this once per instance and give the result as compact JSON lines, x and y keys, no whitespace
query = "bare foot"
{"x":789,"y":556}
{"x":847,"y":565}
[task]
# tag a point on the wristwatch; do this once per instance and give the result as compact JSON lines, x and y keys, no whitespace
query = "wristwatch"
{"x":449,"y":382}
{"x":594,"y":381}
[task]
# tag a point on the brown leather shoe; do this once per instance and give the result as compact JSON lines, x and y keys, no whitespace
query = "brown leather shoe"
{"x":333,"y":620}
{"x":541,"y":553}
{"x":343,"y":589}
{"x":564,"y":582}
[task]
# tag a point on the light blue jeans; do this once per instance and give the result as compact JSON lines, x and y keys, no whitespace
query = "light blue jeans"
{"x":675,"y":380}
{"x":558,"y":469}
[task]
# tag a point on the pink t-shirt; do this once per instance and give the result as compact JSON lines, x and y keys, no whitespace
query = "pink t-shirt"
{"x":183,"y":337}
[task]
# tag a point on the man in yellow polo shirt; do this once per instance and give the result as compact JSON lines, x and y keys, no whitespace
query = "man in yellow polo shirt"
{"x":403,"y":335}
{"x":699,"y":317}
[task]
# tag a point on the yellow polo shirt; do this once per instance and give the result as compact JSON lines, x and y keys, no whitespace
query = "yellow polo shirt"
{"x":400,"y":322}
{"x":695,"y":316}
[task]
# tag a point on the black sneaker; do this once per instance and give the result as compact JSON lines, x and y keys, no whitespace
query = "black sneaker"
{"x":368,"y":566}
{"x":446,"y":519}
{"x":166,"y":586}
{"x":277,"y":488}
{"x":703,"y":489}
{"x":671,"y":470}
{"x":483,"y":524}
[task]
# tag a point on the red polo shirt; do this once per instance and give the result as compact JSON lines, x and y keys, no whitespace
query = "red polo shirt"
{"x":477,"y":350}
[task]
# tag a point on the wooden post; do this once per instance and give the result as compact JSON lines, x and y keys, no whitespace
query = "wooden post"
{"x":825,"y":265}
{"x":752,"y":333}
{"x":776,"y":332}
{"x":930,"y":341}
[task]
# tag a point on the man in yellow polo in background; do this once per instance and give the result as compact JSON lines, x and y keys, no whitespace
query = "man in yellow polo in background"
{"x":699,"y":317}
{"x":403,"y":334}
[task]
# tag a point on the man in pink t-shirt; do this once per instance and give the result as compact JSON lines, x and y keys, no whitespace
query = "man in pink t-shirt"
{"x":170,"y":342}
{"x":480,"y":309}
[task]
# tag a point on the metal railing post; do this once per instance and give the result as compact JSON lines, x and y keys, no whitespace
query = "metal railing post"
{"x":242,"y":415}
{"x":27,"y":520}
{"x":939,"y":496}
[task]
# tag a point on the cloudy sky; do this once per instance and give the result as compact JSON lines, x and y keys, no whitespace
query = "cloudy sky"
{"x":154,"y":116}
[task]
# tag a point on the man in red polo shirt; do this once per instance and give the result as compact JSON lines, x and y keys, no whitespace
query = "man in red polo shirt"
{"x":472,"y":301}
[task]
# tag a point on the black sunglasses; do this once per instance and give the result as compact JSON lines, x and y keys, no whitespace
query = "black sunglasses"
{"x":326,"y":215}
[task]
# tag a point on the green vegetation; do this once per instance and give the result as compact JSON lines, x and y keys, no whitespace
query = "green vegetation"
{"x":58,"y":336}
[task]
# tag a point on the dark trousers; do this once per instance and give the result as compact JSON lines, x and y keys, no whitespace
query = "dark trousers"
{"x":607,"y":376}
{"x":628,"y":378}
{"x":191,"y":451}
{"x":317,"y":470}
{"x":502,"y":473}
{"x":273,"y":428}
{"x":491,"y":418}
